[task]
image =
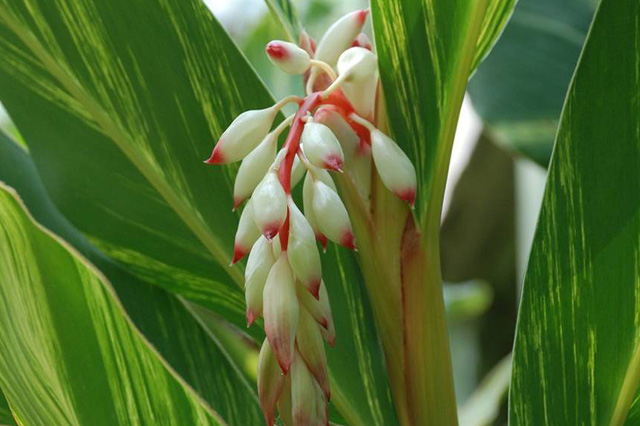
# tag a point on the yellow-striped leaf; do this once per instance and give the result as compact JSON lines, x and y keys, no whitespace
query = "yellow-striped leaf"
{"x":163,"y":320}
{"x":577,"y":350}
{"x":70,"y":357}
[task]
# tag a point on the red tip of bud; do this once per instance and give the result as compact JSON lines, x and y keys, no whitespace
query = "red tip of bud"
{"x":332,"y":342}
{"x":284,"y":366}
{"x":322,"y":240}
{"x":348,"y":240}
{"x":250,"y":318}
{"x":324,"y":323}
{"x":276,"y":51}
{"x":238,"y":253}
{"x":333,"y":162}
{"x":362,"y":16}
{"x":216,"y":156}
{"x":270,"y":231}
{"x":314,"y":288}
{"x":408,"y":195}
{"x":237,"y":201}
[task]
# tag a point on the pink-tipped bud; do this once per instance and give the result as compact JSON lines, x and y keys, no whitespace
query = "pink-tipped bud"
{"x":269,"y":205}
{"x":359,"y":66}
{"x":281,"y":310}
{"x":321,"y":147}
{"x":260,"y":261}
{"x":307,"y":202}
{"x":330,"y":117}
{"x":246,"y":235}
{"x":303,"y":254}
{"x":243,"y":135}
{"x":308,"y":402}
{"x":394,"y":167}
{"x":307,"y":43}
{"x":253,"y":168}
{"x":329,"y":334}
{"x":270,"y":382}
{"x":311,"y":347}
{"x":362,"y":41}
{"x":340,"y":35}
{"x":332,"y":216}
{"x":288,"y":57}
{"x":319,"y":308}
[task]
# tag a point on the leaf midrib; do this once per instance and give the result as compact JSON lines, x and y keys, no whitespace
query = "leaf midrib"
{"x":124,"y":142}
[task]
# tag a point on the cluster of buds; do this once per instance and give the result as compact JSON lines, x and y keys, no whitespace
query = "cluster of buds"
{"x":332,"y":131}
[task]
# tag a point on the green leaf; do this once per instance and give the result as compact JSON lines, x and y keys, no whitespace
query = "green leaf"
{"x":577,"y":350}
{"x":427,"y":50}
{"x":69,"y":355}
{"x":286,"y":14}
{"x":133,"y":104}
{"x":120,"y":103}
{"x":6,"y":418}
{"x":163,"y":320}
{"x":518,"y":91}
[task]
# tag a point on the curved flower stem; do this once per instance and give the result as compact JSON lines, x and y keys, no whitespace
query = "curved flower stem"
{"x":324,"y":67}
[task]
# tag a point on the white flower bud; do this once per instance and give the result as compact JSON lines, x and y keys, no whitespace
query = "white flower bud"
{"x":246,"y":235}
{"x":319,"y":308}
{"x":243,"y":135}
{"x":270,"y":382}
{"x":394,"y":167}
{"x":253,"y":168}
{"x":348,"y":138}
{"x":269,"y":205}
{"x":288,"y":57}
{"x":359,"y":68}
{"x":321,"y":146}
{"x":332,"y":216}
{"x":260,"y":261}
{"x":307,"y":202}
{"x":311,"y":348}
{"x":303,"y":254}
{"x":362,"y":41}
{"x":308,"y":402}
{"x":281,"y":312}
{"x":339,"y":36}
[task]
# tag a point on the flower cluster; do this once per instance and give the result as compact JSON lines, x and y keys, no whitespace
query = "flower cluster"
{"x":331,"y":131}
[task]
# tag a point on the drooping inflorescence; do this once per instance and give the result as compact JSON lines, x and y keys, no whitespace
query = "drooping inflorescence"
{"x":332,"y":131}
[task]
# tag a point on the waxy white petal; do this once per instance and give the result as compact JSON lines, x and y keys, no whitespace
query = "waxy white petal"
{"x":394,"y":167}
{"x":321,"y":146}
{"x":247,"y":233}
{"x":308,"y":402}
{"x":270,"y":382}
{"x":288,"y":57}
{"x":297,"y":172}
{"x":260,"y":261}
{"x":319,"y":308}
{"x":311,"y":348}
{"x":253,"y":168}
{"x":281,"y":312}
{"x":359,"y":66}
{"x":307,"y":201}
{"x":269,"y":205}
{"x":330,"y":117}
{"x":243,"y":135}
{"x":340,"y":36}
{"x":303,"y":254}
{"x":332,"y":216}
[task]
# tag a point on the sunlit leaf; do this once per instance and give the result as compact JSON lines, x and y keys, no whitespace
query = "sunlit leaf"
{"x":577,"y":350}
{"x":162,"y":319}
{"x":69,"y":354}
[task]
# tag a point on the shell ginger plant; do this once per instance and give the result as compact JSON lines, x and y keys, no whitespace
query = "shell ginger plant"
{"x":118,"y":305}
{"x":333,"y":131}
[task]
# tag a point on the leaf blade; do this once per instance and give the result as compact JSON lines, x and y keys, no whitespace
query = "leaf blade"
{"x":583,"y":264}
